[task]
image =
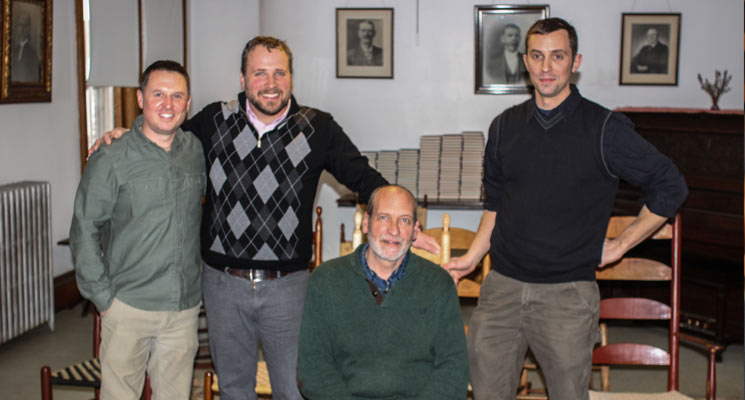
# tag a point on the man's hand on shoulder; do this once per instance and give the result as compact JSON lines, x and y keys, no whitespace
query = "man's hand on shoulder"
{"x":427,"y":243}
{"x":107,"y":137}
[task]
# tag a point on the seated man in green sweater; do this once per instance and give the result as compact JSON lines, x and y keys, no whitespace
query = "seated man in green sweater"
{"x":382,"y":322}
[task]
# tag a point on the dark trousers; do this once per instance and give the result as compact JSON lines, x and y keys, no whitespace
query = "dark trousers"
{"x":558,"y":322}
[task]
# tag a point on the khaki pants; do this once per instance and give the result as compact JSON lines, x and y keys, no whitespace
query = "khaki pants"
{"x":559,"y":322}
{"x":134,"y":341}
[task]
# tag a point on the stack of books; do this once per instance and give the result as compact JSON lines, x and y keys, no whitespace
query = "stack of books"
{"x":472,"y":166}
{"x":387,"y":165}
{"x":408,"y":168}
{"x":450,"y":162}
{"x":429,"y":166}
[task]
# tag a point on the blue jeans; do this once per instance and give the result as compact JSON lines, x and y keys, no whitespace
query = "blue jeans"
{"x":239,"y":316}
{"x":558,"y":321}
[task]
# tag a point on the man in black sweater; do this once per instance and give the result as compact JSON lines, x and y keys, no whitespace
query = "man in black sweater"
{"x":552,"y":166}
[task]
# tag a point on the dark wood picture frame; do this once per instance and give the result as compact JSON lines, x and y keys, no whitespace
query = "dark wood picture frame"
{"x":650,"y":45}
{"x":26,"y":37}
{"x":492,"y":76}
{"x":352,"y":61}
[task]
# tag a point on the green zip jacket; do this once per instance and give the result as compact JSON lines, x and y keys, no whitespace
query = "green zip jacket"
{"x":135,"y":226}
{"x":412,"y":346}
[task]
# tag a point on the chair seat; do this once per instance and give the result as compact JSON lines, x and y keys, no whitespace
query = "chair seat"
{"x":86,"y":373}
{"x":672,"y":395}
{"x":263,"y":386}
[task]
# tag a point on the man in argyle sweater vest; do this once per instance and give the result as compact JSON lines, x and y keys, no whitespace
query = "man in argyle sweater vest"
{"x":264,"y":155}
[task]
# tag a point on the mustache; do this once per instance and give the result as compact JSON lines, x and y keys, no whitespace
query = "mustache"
{"x":270,"y":91}
{"x":392,"y":239}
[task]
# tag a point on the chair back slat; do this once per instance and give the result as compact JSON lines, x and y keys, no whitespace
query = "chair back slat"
{"x":633,"y":308}
{"x":630,"y":354}
{"x":435,"y":258}
{"x":460,"y":239}
{"x":635,"y":269}
{"x":618,"y":224}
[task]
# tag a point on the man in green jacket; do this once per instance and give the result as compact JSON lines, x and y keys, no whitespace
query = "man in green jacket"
{"x":139,"y":201}
{"x":383,"y":323}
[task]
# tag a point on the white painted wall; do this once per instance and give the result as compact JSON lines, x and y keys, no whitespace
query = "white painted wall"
{"x":218,"y":30}
{"x":39,"y":141}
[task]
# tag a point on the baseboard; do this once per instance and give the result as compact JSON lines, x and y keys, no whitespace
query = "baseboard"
{"x":66,"y":294}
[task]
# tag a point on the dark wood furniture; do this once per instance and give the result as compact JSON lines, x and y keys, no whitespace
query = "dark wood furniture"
{"x":707,"y":146}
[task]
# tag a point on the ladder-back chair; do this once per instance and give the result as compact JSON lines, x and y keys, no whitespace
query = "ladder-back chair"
{"x":645,"y":309}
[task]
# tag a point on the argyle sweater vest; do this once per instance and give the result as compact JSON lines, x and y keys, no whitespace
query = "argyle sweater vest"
{"x":260,"y":193}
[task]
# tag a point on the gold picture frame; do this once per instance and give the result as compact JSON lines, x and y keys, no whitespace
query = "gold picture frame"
{"x":26,"y":37}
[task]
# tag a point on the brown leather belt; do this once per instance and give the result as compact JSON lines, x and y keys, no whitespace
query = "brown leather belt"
{"x":253,"y":275}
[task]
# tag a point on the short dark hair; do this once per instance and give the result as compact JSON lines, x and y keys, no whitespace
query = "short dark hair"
{"x":164,"y":65}
{"x":548,"y":25}
{"x":269,"y":43}
{"x":510,"y":25}
{"x":371,"y":201}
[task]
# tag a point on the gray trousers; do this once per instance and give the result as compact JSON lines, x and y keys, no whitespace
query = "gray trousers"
{"x":239,"y":316}
{"x":559,"y":322}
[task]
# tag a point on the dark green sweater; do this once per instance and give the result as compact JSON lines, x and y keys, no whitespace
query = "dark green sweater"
{"x":412,"y":346}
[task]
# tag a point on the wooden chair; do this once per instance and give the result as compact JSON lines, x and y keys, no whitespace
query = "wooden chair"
{"x":83,"y":374}
{"x":263,"y":385}
{"x":457,"y":240}
{"x":525,"y":390}
{"x":636,"y":308}
{"x":348,"y":247}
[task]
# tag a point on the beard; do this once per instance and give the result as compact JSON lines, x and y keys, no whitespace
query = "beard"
{"x":378,"y":250}
{"x":266,"y":107}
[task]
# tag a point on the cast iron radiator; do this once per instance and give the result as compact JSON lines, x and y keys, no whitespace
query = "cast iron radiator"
{"x":26,"y":281}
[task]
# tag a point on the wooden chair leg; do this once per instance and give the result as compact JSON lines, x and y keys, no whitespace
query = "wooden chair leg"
{"x":208,"y":377}
{"x":604,"y":370}
{"x":46,"y":383}
{"x":147,"y":391}
{"x":524,"y":387}
{"x":711,"y":377}
{"x":605,"y":378}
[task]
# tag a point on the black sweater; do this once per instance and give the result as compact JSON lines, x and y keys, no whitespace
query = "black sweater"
{"x":259,"y":202}
{"x":552,"y":180}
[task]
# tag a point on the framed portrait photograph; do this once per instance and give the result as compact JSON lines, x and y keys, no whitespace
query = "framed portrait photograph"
{"x":364,"y":43}
{"x":26,"y":68}
{"x":649,"y":49}
{"x":500,"y":45}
